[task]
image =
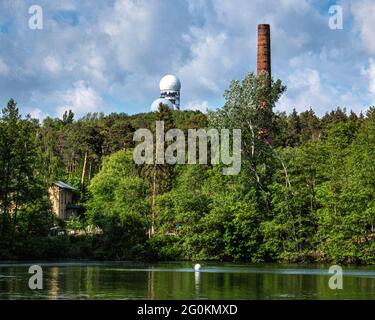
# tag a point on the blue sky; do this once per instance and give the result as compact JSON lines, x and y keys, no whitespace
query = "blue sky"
{"x":108,"y":56}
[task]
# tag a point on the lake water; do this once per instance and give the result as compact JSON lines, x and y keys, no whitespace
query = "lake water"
{"x":124,"y":280}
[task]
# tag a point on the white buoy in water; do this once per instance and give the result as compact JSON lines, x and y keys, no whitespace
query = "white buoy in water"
{"x":197,"y":267}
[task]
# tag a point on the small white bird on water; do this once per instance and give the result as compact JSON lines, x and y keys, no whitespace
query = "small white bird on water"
{"x":197,"y":267}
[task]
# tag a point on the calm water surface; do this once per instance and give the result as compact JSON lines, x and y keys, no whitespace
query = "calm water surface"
{"x":124,"y":280}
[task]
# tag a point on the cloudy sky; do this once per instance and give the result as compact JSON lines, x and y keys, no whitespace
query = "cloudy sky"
{"x":109,"y":55}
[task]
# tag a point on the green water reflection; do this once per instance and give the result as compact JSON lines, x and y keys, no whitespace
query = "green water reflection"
{"x":179,"y":281}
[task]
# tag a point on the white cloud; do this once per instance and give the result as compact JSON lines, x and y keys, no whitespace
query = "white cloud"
{"x":296,"y":5}
{"x":304,"y":91}
{"x":81,"y":100}
{"x":307,"y":89}
{"x":197,"y":106}
{"x":370,"y":75}
{"x":364,"y":17}
{"x":144,"y":35}
{"x":36,"y":113}
{"x":65,"y":5}
{"x":121,"y":48}
{"x":52,"y":64}
{"x":208,"y":68}
{"x":95,"y":67}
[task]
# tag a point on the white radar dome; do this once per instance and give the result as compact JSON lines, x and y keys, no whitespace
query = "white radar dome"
{"x":155,"y":105}
{"x":170,"y":83}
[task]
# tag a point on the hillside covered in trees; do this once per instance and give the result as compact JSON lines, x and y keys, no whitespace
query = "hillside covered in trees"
{"x":305,"y":192}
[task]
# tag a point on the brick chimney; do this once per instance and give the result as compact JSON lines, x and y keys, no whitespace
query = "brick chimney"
{"x":264,"y":49}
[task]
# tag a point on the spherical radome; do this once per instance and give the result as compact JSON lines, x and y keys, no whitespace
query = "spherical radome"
{"x":155,"y":105}
{"x":170,"y":83}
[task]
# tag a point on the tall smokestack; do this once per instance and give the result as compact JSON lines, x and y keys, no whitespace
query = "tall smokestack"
{"x":264,"y":49}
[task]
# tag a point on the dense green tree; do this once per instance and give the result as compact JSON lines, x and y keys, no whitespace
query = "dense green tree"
{"x":119,"y":206}
{"x":68,"y":117}
{"x":346,"y":217}
{"x":294,"y":129}
{"x":21,"y":181}
{"x":248,"y":107}
{"x":335,"y":116}
{"x":280,"y":124}
{"x":310,"y":126}
{"x":289,"y":234}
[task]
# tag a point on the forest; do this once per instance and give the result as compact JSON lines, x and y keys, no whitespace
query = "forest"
{"x":305,"y":192}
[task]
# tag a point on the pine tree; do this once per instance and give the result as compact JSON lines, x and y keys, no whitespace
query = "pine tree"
{"x":294,"y":129}
{"x":20,"y":168}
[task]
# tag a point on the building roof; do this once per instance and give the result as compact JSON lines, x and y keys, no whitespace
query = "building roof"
{"x":64,"y":185}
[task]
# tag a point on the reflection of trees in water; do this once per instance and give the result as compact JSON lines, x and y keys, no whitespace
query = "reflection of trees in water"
{"x":53,"y":291}
{"x":176,"y":282}
{"x":8,"y":281}
{"x":150,"y":282}
{"x":90,"y":282}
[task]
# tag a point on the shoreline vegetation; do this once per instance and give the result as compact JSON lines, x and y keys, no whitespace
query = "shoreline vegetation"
{"x":305,"y":192}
